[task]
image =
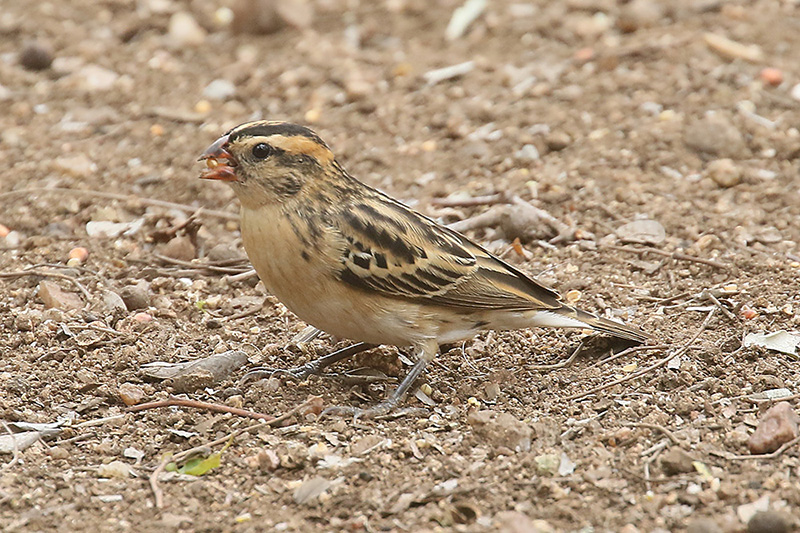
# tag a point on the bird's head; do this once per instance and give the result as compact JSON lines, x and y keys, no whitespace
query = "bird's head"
{"x":267,"y":162}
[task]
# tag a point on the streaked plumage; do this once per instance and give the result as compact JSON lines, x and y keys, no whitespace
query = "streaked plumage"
{"x":357,"y":264}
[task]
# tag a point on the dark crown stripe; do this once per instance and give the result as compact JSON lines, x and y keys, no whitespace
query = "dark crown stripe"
{"x":265,"y":129}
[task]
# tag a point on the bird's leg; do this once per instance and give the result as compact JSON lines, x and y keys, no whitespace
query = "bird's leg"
{"x":312,"y":368}
{"x":428,"y":351}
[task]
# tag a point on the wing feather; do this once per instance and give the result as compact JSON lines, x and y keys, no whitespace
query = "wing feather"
{"x":397,"y":252}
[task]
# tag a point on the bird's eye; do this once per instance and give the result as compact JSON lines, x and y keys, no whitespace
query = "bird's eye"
{"x":262,"y":151}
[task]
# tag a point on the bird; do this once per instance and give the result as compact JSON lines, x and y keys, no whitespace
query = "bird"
{"x":357,"y":264}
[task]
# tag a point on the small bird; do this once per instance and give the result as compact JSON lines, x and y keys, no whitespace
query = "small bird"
{"x":359,"y":265}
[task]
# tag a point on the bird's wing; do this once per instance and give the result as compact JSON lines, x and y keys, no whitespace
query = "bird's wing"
{"x":390,"y":249}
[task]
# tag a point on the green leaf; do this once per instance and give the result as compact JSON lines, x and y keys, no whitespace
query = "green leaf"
{"x":198,"y":466}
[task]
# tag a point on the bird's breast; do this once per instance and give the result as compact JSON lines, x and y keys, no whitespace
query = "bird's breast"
{"x":303,"y":274}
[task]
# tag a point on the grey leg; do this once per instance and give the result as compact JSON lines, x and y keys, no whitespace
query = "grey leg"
{"x":312,"y":368}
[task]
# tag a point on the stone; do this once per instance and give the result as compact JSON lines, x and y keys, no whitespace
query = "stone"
{"x":676,"y":461}
{"x":36,"y":55}
{"x":219,"y":89}
{"x":53,"y":296}
{"x":716,"y":135}
{"x":131,"y":394}
{"x":180,"y":248}
{"x":136,"y":296}
{"x":724,"y":172}
{"x":516,"y":522}
{"x":769,"y":522}
{"x":703,"y":525}
{"x":642,"y":232}
{"x":185,"y":31}
{"x":778,"y":426}
{"x":501,"y":430}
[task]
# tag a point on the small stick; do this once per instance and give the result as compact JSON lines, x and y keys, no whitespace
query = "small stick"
{"x":489,"y":199}
{"x":777,"y":453}
{"x":667,"y":433}
{"x":198,"y":266}
{"x":267,"y":420}
{"x":675,"y":255}
{"x":217,"y":408}
{"x":15,"y":451}
{"x":632,"y":350}
{"x":654,"y":366}
{"x":561,"y":364}
{"x":32,"y":272}
{"x":243,"y":276}
{"x":122,"y":197}
{"x":722,"y":308}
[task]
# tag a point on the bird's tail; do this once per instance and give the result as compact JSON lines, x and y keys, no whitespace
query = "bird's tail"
{"x":604,"y":325}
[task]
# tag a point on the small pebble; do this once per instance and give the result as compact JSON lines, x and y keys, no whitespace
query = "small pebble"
{"x":778,"y":425}
{"x":94,"y":78}
{"x":795,"y":92}
{"x":184,"y":30}
{"x":80,"y":253}
{"x":768,"y":522}
{"x":528,"y":153}
{"x":142,"y":317}
{"x":677,"y":461}
{"x":219,"y":89}
{"x":180,"y":248}
{"x":114,"y":469}
{"x":715,"y":134}
{"x":53,"y":296}
{"x":703,"y":525}
{"x":36,"y":56}
{"x":4,"y":231}
{"x":724,"y":172}
{"x":771,"y":76}
{"x":135,"y":296}
{"x":130,"y":394}
{"x":557,"y":141}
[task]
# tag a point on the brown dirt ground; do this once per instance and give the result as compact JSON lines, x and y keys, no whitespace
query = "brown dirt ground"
{"x":617,"y":140}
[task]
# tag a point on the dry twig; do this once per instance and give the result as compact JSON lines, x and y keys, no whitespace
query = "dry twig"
{"x":667,"y":433}
{"x":15,"y":451}
{"x":680,"y":256}
{"x":654,"y":366}
{"x":266,"y":420}
{"x":777,"y":453}
{"x":215,"y":407}
{"x":33,"y":272}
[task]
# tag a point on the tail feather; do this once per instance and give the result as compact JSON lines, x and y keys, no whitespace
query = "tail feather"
{"x":604,"y":325}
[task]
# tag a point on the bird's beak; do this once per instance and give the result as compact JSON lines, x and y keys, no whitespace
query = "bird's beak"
{"x":220,"y":162}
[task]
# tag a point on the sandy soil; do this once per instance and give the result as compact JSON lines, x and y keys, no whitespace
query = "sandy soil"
{"x":598,"y":112}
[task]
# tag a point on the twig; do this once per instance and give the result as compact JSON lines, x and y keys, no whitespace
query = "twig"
{"x":15,"y":450}
{"x":243,"y":276}
{"x":180,"y":402}
{"x":667,"y":433}
{"x":675,"y":255}
{"x":632,"y":350}
{"x":158,"y":494}
{"x":489,"y":199}
{"x":562,"y":364}
{"x":198,"y":266}
{"x":650,"y":368}
{"x":267,"y":420}
{"x":777,"y":453}
{"x":725,"y":311}
{"x":33,"y":272}
{"x":122,"y":197}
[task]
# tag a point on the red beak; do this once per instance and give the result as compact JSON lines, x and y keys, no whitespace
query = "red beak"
{"x":220,"y":162}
